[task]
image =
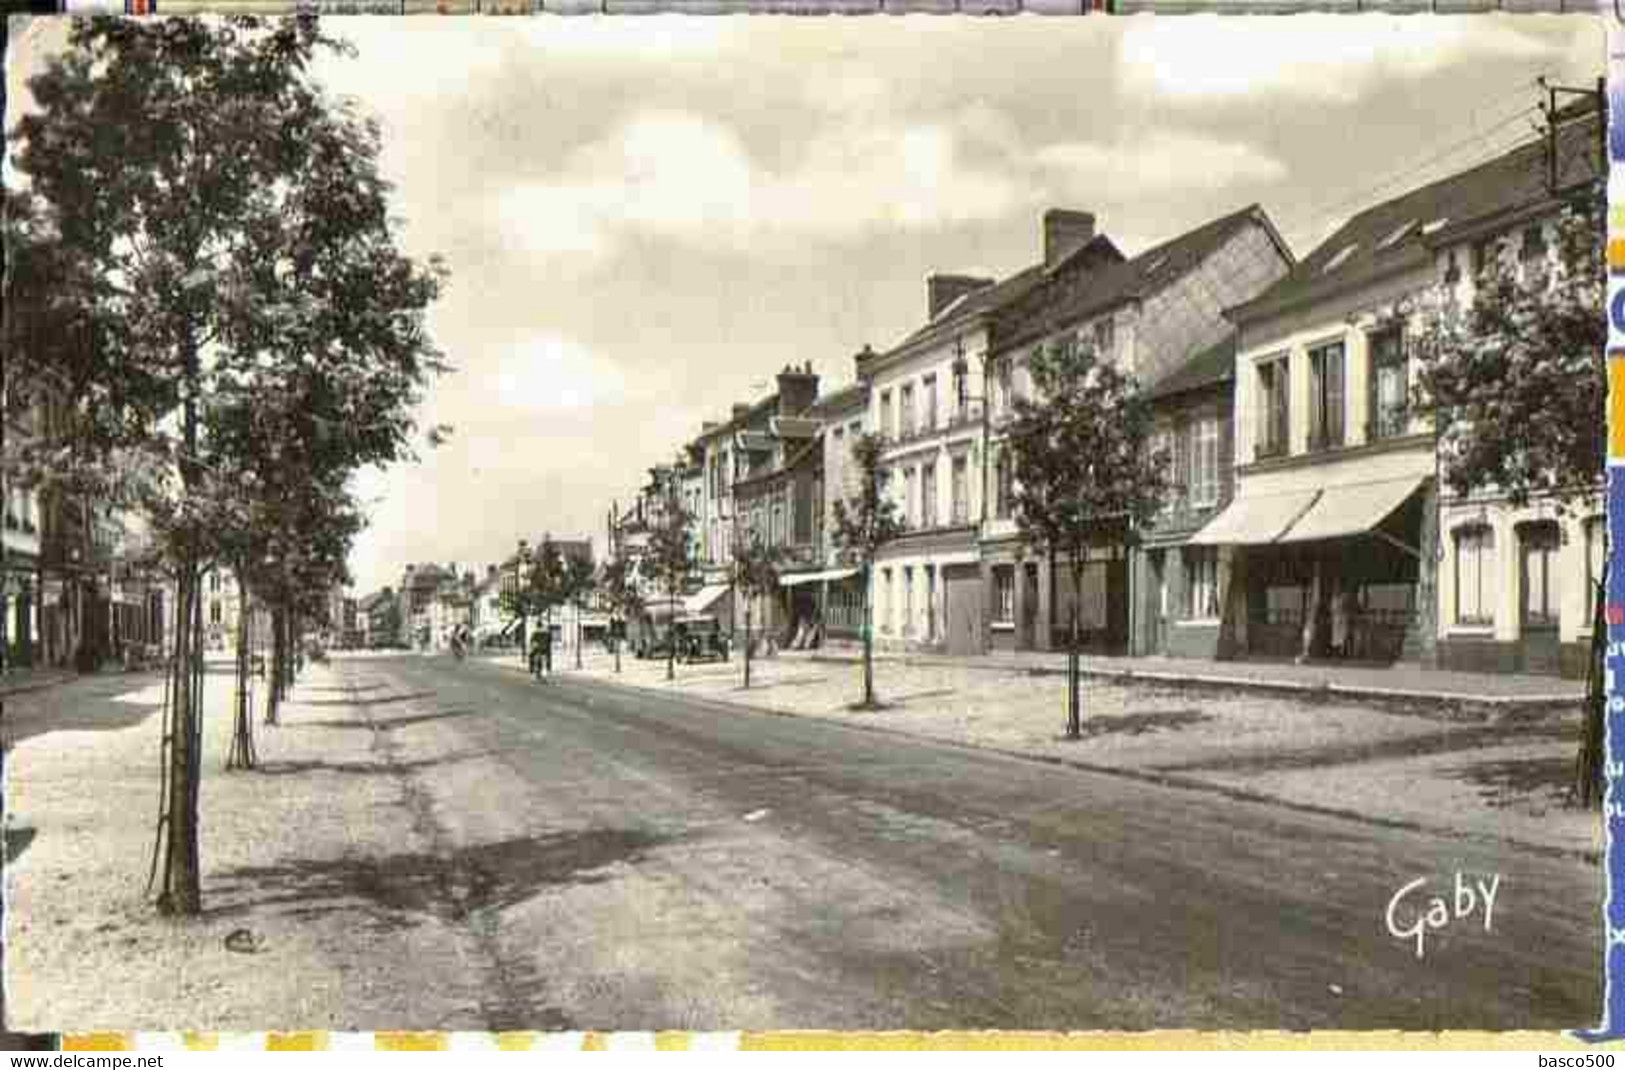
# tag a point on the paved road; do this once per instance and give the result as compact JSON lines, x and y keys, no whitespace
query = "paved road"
{"x":631,"y":860}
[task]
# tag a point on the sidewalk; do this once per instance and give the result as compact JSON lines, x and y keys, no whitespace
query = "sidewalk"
{"x":22,"y":681}
{"x":1398,"y":681}
{"x":291,"y":856}
{"x":1441,"y":761}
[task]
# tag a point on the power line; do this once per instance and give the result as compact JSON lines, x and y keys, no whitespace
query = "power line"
{"x":1504,"y":144}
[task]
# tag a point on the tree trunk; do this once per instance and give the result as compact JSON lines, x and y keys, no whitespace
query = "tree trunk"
{"x":671,"y":638}
{"x":578,"y":637}
{"x":179,"y":889}
{"x":1590,"y":765}
{"x":1074,"y":675}
{"x":868,"y":639}
{"x":274,"y":673}
{"x":747,"y":643}
{"x":242,"y":755}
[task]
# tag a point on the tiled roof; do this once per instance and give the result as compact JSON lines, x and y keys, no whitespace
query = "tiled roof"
{"x":1215,"y":364}
{"x":1399,"y":234}
{"x":1156,"y":267}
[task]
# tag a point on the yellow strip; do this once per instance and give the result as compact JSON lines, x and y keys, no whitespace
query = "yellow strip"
{"x":306,"y":1041}
{"x":671,"y":1042}
{"x":410,"y":1041}
{"x":98,"y":1042}
{"x":1616,"y":406}
{"x":1616,"y":254}
{"x":593,"y":1042}
{"x":205,"y":1041}
{"x":515,"y":1041}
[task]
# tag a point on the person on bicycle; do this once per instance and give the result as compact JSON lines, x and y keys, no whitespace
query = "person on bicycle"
{"x":536,"y":652}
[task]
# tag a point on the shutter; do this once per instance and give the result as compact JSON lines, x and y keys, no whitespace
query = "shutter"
{"x":1334,"y":393}
{"x":1182,"y":461}
{"x":1227,"y":457}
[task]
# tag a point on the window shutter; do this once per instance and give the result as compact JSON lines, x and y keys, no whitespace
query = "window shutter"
{"x":1182,"y":461}
{"x":1227,"y":457}
{"x":1334,"y":393}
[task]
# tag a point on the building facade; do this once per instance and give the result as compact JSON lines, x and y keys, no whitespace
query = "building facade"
{"x":1339,"y":540}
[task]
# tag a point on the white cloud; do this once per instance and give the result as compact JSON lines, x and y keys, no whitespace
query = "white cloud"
{"x":1163,"y":163}
{"x":1320,"y":57}
{"x":639,"y":37}
{"x":550,"y":374}
{"x":683,"y":177}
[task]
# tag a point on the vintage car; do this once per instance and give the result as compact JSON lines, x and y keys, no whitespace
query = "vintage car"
{"x":698,"y":637}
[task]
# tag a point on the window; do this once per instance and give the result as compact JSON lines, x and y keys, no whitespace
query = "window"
{"x":1389,"y":388}
{"x":1532,"y":249}
{"x":1326,"y":396}
{"x":1596,"y":534}
{"x":1201,"y":583}
{"x":214,"y":612}
{"x":928,"y":494}
{"x":1274,"y":392}
{"x":906,"y":412}
{"x":1205,"y":463}
{"x":930,"y":603}
{"x":1542,"y":586}
{"x":214,"y":581}
{"x":908,"y":498}
{"x":929,"y":385}
{"x":1486,"y":251}
{"x":885,"y":600}
{"x":885,"y":413}
{"x":908,"y":600}
{"x":1452,"y":268}
{"x":1004,"y":594}
{"x":1105,"y":337}
{"x":1003,"y":480}
{"x":1162,"y":445}
{"x":961,"y":392}
{"x":961,"y":506}
{"x":1475,"y":575}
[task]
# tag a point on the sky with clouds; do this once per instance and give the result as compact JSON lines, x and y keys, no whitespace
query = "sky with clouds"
{"x":646,"y":217}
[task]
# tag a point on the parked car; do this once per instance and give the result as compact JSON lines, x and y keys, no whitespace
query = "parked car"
{"x":697,"y":637}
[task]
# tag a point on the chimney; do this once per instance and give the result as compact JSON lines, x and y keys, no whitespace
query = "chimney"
{"x":740,"y":409}
{"x":1065,"y":232}
{"x":709,"y":425}
{"x":943,"y":290}
{"x":490,"y":570}
{"x":798,"y":390}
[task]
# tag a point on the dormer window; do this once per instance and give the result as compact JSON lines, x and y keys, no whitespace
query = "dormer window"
{"x":1340,"y":259}
{"x":1104,"y":336}
{"x":1398,"y":234}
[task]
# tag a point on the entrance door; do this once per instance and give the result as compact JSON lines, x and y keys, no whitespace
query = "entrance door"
{"x":1029,"y":607}
{"x":963,"y":586}
{"x":1539,"y":597}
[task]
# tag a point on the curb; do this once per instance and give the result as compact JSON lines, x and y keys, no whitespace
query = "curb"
{"x":1158,"y":778}
{"x":1234,"y":682}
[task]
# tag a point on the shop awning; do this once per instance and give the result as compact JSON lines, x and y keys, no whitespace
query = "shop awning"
{"x":704,"y":598}
{"x":1351,"y":510}
{"x":1255,"y":519}
{"x":796,"y":578}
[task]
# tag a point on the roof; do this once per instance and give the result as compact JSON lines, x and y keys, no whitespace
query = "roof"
{"x":1401,"y":233}
{"x":1213,"y":365}
{"x":1127,"y":280}
{"x":986,"y":300}
{"x":375,"y":599}
{"x":848,"y":397}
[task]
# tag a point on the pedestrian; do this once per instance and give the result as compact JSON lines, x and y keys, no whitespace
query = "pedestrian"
{"x":536,"y":652}
{"x":547,"y":648}
{"x":1341,"y":611}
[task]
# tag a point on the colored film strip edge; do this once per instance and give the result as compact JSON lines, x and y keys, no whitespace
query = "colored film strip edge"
{"x":1170,"y":1040}
{"x":811,"y":7}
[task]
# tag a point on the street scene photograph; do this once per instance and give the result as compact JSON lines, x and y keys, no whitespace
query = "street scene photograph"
{"x":706,"y":524}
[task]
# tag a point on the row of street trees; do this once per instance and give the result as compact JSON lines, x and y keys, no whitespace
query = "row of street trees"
{"x":203,"y":267}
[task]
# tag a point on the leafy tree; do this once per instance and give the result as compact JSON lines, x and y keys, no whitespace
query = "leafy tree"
{"x":1084,"y":474}
{"x":216,"y":227}
{"x":755,"y":573}
{"x":1516,"y":385}
{"x":620,"y":590}
{"x":579,"y":580}
{"x":671,"y":553}
{"x":864,"y":523}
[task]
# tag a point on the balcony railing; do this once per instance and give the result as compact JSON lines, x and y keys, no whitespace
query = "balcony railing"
{"x":966,"y":414}
{"x":1274,"y":447}
{"x":1390,"y":421}
{"x":1321,"y":438}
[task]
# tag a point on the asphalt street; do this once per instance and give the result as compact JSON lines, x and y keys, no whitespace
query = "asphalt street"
{"x":620,"y":859}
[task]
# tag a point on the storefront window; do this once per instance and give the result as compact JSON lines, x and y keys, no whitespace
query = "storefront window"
{"x":1004,"y":594}
{"x":1202,"y":583}
{"x":1285,"y":605}
{"x":1475,"y":575}
{"x":1541,"y":585}
{"x":1595,"y":536}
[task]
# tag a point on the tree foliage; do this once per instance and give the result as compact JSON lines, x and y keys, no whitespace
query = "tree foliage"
{"x":1513,"y":378}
